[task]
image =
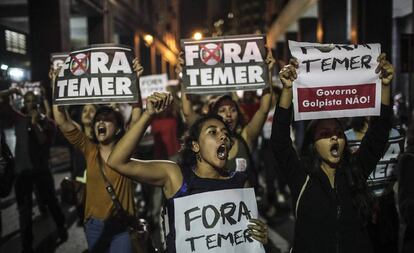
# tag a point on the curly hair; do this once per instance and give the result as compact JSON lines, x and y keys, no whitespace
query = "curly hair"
{"x":188,"y":157}
{"x":362,"y":198}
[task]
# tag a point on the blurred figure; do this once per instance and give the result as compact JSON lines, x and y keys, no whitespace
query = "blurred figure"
{"x":4,"y":149}
{"x":34,"y":137}
{"x":401,"y":112}
{"x":249,"y":104}
{"x":384,"y":227}
{"x":275,"y":182}
{"x":406,"y":191}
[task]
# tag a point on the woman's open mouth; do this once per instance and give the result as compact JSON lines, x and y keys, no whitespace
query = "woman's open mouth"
{"x":101,"y":130}
{"x":335,"y":150}
{"x":222,"y":152}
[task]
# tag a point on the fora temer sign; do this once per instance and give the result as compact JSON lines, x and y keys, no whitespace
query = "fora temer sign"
{"x":223,"y":64}
{"x":97,"y":74}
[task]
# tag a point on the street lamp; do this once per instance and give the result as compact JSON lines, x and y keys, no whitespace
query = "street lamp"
{"x":148,"y":39}
{"x":197,"y":36}
{"x":16,"y":74}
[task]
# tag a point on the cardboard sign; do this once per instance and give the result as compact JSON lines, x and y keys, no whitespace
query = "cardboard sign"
{"x":151,"y":84}
{"x":216,"y":222}
{"x":336,"y":80}
{"x":58,"y":59}
{"x":98,"y":74}
{"x":224,"y":64}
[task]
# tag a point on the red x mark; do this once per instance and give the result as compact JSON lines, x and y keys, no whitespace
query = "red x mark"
{"x":80,"y":64}
{"x":211,"y":53}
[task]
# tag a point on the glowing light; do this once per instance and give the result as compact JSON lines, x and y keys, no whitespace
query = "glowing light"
{"x":4,"y":67}
{"x":16,"y":74}
{"x":197,"y":36}
{"x":148,"y":39}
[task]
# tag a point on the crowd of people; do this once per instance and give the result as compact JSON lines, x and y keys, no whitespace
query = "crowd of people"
{"x":339,"y":202}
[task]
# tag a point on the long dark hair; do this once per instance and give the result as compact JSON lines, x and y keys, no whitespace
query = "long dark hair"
{"x":362,"y":197}
{"x":188,"y":157}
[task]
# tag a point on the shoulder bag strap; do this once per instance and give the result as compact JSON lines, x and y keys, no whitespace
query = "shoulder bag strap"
{"x":109,"y":188}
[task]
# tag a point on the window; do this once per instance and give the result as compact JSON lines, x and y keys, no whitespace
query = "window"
{"x":15,"y":42}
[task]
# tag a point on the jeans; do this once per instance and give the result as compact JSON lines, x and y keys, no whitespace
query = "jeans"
{"x":107,"y":237}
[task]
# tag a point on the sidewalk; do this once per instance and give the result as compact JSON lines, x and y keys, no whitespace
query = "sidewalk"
{"x":44,"y":229}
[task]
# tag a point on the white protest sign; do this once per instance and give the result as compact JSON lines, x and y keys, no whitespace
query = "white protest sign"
{"x":97,"y":74}
{"x":336,"y":80}
{"x":25,"y":87}
{"x":58,"y":59}
{"x":216,"y":222}
{"x":151,"y":84}
{"x":224,"y":64}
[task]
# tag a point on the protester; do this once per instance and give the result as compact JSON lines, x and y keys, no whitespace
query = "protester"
{"x":34,"y":137}
{"x":201,"y":169}
{"x":384,"y":227}
{"x":5,"y":153}
{"x":77,"y":158}
{"x":244,"y":135}
{"x":406,"y":191}
{"x":328,"y":185}
{"x":104,"y":229}
{"x":276,"y":186}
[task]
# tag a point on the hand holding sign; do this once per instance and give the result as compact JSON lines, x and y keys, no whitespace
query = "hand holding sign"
{"x":158,"y":102}
{"x":288,"y":73}
{"x":258,"y":230}
{"x":179,"y":66}
{"x":138,"y":69}
{"x":386,"y":69}
{"x":270,"y":60}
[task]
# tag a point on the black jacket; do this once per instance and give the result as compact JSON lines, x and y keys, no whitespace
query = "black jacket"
{"x":406,"y":197}
{"x":326,"y":220}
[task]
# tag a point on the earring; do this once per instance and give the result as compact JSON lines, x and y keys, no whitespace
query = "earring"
{"x":198,"y":157}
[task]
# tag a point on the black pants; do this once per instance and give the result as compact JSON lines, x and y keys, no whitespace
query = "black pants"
{"x":44,"y":183}
{"x":384,"y":234}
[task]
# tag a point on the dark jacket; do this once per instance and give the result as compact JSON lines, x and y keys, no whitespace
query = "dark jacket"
{"x":406,"y":197}
{"x":326,"y":220}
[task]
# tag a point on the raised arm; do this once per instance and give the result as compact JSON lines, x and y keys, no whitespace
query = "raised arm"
{"x":252,"y":130}
{"x":373,"y":145}
{"x":280,"y":141}
{"x":160,"y":173}
{"x":386,"y":71}
{"x":287,"y":76}
{"x":190,"y":115}
{"x":8,"y":92}
{"x":137,"y":107}
{"x":60,"y":115}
